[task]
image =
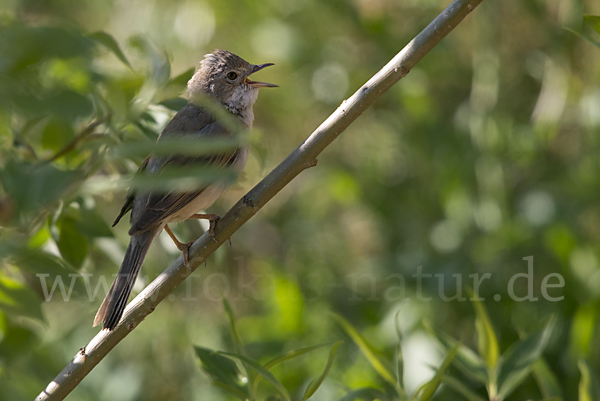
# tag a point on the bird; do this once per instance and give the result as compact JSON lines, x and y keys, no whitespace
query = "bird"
{"x":223,"y":78}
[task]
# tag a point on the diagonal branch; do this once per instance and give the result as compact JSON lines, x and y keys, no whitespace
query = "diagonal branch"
{"x":301,"y":158}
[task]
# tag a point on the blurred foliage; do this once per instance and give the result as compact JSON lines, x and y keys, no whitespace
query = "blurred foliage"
{"x":480,"y":169}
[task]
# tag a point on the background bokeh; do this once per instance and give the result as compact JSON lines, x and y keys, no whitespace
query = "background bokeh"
{"x":485,"y":154}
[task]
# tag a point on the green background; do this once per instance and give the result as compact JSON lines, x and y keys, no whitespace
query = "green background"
{"x":486,"y":153}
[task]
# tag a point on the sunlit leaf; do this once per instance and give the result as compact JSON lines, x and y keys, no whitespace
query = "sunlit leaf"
{"x":373,"y":355}
{"x":589,"y":386}
{"x":593,"y":22}
{"x":467,"y":361}
{"x":39,"y":238}
{"x":427,"y":390}
{"x":583,"y":327}
{"x":314,"y":385}
{"x":487,"y":342}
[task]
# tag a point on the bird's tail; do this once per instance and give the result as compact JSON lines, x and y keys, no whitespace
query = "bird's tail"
{"x":112,"y":308}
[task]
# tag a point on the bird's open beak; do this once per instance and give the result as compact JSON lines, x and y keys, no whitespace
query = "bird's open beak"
{"x":256,"y":84}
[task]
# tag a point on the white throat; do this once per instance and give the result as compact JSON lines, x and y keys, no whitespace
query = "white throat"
{"x":241,"y":102}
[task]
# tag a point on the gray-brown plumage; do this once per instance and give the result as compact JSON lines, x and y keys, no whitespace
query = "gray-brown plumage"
{"x":222,"y":77}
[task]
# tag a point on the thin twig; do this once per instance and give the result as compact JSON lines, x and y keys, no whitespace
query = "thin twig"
{"x":300,"y":159}
{"x":79,"y":137}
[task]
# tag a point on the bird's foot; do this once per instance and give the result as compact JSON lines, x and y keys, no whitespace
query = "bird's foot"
{"x":185,"y":250}
{"x":212,"y":218}
{"x":183,"y":247}
{"x":211,"y":226}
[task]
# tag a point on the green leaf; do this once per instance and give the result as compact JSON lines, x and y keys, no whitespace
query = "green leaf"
{"x":40,"y":262}
{"x":92,"y":224}
{"x":34,"y":186}
{"x":174,"y":88}
{"x":363,"y":394}
{"x":39,"y":238}
{"x":487,"y":342}
{"x":462,"y":389}
{"x":24,"y":46}
{"x":373,"y":355}
{"x":546,"y":380}
{"x":593,"y":22}
{"x":174,"y":104}
{"x":238,"y":345}
{"x":286,"y":357}
{"x":314,"y":385}
{"x":57,"y":133}
{"x":111,"y":44}
{"x":293,"y":354}
{"x":399,"y":359}
{"x":17,"y":341}
{"x":69,"y":105}
{"x":584,"y":36}
{"x":223,"y":372}
{"x":182,"y":146}
{"x":18,"y":300}
{"x":427,"y":390}
{"x":158,"y":59}
{"x":467,"y":361}
{"x":72,"y":244}
{"x":520,"y":357}
{"x":583,"y":326}
{"x":589,"y":387}
{"x":183,"y":78}
{"x":268,"y":376}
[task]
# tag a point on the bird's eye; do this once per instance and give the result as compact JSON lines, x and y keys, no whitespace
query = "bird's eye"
{"x":231,"y":75}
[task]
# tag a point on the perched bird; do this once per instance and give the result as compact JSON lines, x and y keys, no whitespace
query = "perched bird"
{"x":223,"y":79}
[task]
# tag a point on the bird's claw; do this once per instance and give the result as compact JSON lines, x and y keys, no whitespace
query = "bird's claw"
{"x":185,"y":250}
{"x":211,"y":227}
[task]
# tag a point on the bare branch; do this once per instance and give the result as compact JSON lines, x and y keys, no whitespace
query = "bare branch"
{"x":300,"y":159}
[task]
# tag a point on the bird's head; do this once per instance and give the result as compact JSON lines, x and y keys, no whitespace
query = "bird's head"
{"x":224,"y":76}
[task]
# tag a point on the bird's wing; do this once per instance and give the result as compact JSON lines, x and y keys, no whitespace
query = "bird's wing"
{"x":130,"y":195}
{"x":154,"y":208}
